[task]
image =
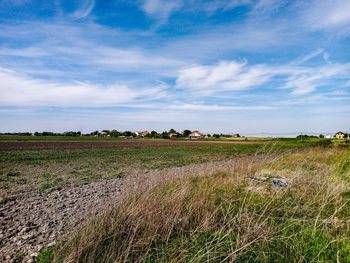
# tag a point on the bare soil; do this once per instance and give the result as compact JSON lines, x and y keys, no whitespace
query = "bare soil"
{"x":33,"y":220}
{"x":6,"y":146}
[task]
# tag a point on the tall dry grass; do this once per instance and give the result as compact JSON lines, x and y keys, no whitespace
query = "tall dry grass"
{"x":223,"y":217}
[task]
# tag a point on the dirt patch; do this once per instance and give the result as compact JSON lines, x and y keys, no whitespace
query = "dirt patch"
{"x":32,"y":220}
{"x":8,"y":146}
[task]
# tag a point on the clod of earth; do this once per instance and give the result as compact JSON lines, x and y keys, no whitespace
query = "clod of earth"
{"x":13,"y":174}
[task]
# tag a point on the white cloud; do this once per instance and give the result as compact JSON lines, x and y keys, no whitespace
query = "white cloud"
{"x":18,"y":90}
{"x":28,"y":52}
{"x":235,"y":76}
{"x":160,"y":9}
{"x":133,"y":59}
{"x":217,"y":107}
{"x":224,"y":76}
{"x":84,"y":9}
{"x":308,"y":79}
{"x":309,"y":56}
{"x":327,"y":14}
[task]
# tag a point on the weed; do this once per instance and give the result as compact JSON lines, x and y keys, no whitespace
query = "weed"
{"x":19,"y":256}
{"x":48,"y":176}
{"x":44,"y":186}
{"x":346,"y":195}
{"x":120,"y":175}
{"x":46,"y":255}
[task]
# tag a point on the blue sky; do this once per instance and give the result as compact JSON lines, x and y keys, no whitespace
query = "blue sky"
{"x":270,"y":66}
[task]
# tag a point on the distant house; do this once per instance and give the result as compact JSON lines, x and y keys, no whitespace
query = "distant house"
{"x":236,"y":135}
{"x":196,"y":135}
{"x":172,"y":135}
{"x":329,"y":136}
{"x":340,"y":135}
{"x":141,"y":133}
{"x":103,"y":134}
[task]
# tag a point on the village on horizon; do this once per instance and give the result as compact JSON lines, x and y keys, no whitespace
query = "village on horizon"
{"x":172,"y":134}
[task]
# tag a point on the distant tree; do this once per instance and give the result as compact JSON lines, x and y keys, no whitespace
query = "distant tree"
{"x":154,"y":134}
{"x":107,"y":131}
{"x":172,"y":131}
{"x":24,"y":134}
{"x":94,"y":133}
{"x":216,"y":135}
{"x":114,"y":133}
{"x":128,"y":133}
{"x":302,"y":137}
{"x":165,"y":135}
{"x":67,"y":133}
{"x":186,"y":133}
{"x":36,"y":134}
{"x":47,"y":133}
{"x":208,"y":135}
{"x":321,"y":136}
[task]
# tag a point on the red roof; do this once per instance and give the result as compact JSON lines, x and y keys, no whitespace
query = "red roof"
{"x":196,"y":133}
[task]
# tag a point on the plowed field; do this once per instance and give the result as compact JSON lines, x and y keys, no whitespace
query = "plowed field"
{"x":6,"y":146}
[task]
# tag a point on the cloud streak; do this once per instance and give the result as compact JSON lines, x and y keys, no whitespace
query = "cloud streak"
{"x":235,"y":76}
{"x":18,"y":90}
{"x":84,"y":9}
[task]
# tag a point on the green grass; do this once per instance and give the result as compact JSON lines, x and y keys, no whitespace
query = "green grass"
{"x":223,"y":217}
{"x":81,"y":166}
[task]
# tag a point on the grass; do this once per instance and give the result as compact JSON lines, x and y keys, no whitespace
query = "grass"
{"x":74,"y":167}
{"x":223,"y":217}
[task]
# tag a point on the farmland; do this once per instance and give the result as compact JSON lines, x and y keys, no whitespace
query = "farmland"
{"x":51,"y":164}
{"x":57,"y":187}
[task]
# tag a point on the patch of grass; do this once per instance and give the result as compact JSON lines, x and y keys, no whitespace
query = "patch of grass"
{"x":225,"y":218}
{"x":120,"y":175}
{"x":44,"y":186}
{"x":46,"y":255}
{"x":57,"y":182}
{"x":110,"y":161}
{"x":48,"y":176}
{"x":346,"y":195}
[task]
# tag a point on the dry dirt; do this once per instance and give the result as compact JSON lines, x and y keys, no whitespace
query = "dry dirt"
{"x":33,"y":220}
{"x":6,"y":146}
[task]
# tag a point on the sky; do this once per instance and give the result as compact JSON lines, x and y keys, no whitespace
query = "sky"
{"x":236,"y":66}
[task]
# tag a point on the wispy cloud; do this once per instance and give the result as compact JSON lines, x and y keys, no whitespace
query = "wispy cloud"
{"x":309,"y":56}
{"x":84,"y":9}
{"x":18,"y":90}
{"x":235,"y":76}
{"x":327,"y":14}
{"x":224,"y":76}
{"x":161,"y":9}
{"x":217,"y":107}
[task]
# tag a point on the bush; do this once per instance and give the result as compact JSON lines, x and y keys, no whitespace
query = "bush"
{"x":325,"y":143}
